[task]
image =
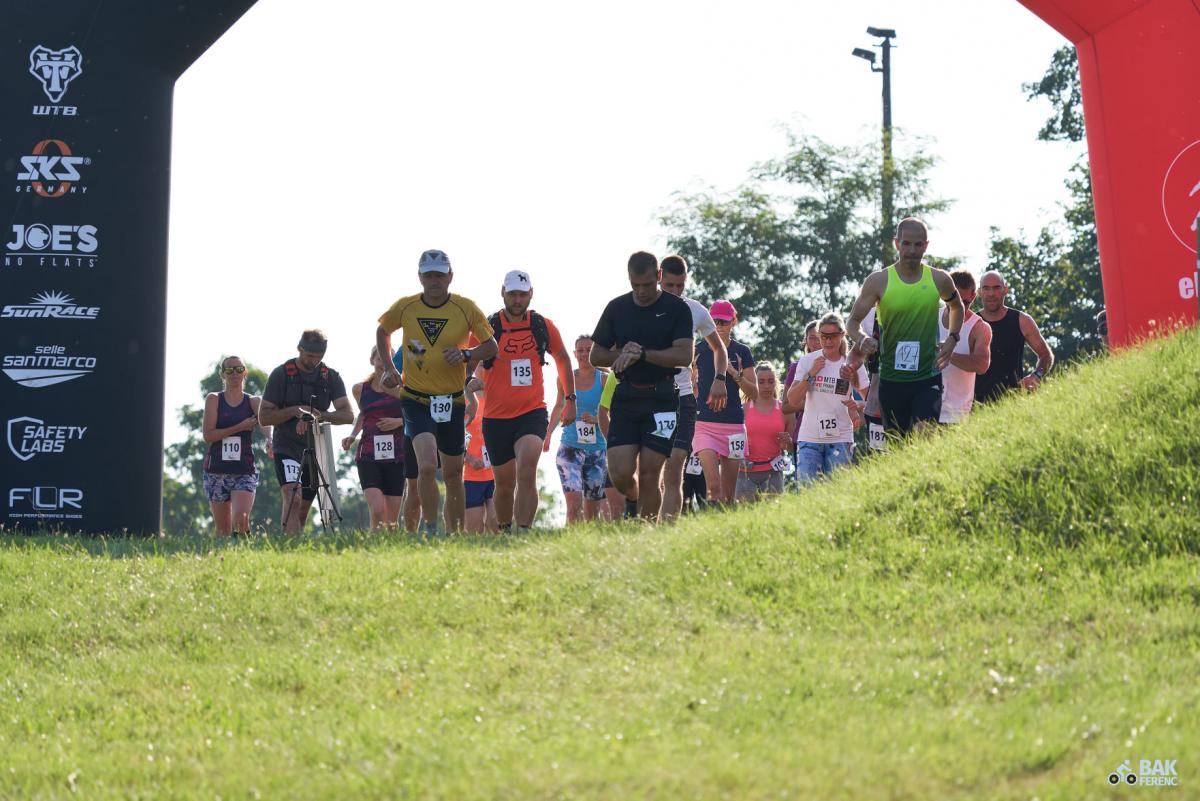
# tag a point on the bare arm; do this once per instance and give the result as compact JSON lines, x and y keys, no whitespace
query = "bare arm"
{"x":1045,"y":356}
{"x":678,"y":355}
{"x":747,"y":382}
{"x":955,"y":312}
{"x":383,"y":343}
{"x":718,"y":393}
{"x":271,"y":415}
{"x":341,"y":415}
{"x":602,"y":421}
{"x":348,"y":441}
{"x":980,"y":357}
{"x":602,"y":356}
{"x":566,"y":378}
{"x":559,"y":400}
{"x":868,"y":297}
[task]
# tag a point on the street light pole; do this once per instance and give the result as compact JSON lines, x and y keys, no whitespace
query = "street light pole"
{"x":887,"y":172}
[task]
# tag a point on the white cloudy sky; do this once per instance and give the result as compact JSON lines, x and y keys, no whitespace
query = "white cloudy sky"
{"x":320,"y":147}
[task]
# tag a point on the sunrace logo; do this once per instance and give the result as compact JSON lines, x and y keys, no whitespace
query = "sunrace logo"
{"x":55,"y":503}
{"x":46,"y":366}
{"x":52,"y":246}
{"x":29,"y":437}
{"x":52,"y":170}
{"x":53,"y":305}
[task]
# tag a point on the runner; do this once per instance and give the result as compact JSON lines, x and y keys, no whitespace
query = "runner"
{"x":1011,"y":331}
{"x":720,"y":439}
{"x":298,"y":395}
{"x":907,"y":293}
{"x":435,"y":328}
{"x":644,"y":336}
{"x":971,"y":356}
{"x":826,"y":437}
{"x":230,"y":475}
{"x":674,"y":280}
{"x":478,"y":479}
{"x":517,"y":424}
{"x":769,"y":437}
{"x":812,"y":343}
{"x":380,"y":457}
{"x":582,"y":458}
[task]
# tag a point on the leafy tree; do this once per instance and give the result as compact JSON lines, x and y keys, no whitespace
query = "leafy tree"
{"x":797,"y":239}
{"x":1056,"y":275}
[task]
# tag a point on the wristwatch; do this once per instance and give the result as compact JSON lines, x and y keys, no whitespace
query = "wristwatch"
{"x":956,"y":336}
{"x":466,"y":354}
{"x":570,"y":397}
{"x":1039,"y":373}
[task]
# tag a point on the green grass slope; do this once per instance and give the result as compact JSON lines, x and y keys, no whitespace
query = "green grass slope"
{"x":1007,"y":610}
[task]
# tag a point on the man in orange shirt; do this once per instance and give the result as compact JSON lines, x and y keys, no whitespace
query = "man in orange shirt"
{"x":516,"y":422}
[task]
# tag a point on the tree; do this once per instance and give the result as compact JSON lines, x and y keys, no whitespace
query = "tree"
{"x":797,"y":239}
{"x":1056,"y":276}
{"x":185,"y":507}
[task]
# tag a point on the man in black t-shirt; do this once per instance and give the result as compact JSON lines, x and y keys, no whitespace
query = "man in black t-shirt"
{"x":644,"y":337}
{"x":298,"y":387}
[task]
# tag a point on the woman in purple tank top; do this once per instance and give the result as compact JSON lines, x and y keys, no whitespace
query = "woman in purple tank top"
{"x":230,"y":476}
{"x":381,"y":455}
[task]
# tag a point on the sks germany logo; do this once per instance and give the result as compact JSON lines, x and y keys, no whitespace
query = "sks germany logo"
{"x":55,"y":69}
{"x":53,"y":170}
{"x":1181,"y":195}
{"x":54,"y":305}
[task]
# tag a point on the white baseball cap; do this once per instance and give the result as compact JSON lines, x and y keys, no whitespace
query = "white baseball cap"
{"x":434,"y":261}
{"x":517,"y":281}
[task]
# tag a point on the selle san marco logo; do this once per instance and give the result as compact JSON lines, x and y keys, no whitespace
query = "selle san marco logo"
{"x":52,"y":170}
{"x":55,"y":69}
{"x":1181,"y":195}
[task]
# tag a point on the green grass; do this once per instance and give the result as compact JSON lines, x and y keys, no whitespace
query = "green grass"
{"x":1006,"y":610}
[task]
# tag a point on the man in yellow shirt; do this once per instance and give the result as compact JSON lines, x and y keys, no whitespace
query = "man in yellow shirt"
{"x":435,"y":327}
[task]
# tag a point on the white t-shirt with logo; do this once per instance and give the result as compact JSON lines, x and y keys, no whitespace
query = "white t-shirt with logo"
{"x":825,"y":419}
{"x":702,"y":326}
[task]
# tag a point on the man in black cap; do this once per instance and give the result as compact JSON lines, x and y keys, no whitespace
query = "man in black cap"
{"x":298,"y":395}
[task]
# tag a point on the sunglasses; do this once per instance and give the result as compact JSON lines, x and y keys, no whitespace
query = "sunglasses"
{"x":831,"y":337}
{"x":239,"y":369}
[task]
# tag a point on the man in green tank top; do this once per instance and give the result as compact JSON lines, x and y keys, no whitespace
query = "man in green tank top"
{"x":910,"y":357}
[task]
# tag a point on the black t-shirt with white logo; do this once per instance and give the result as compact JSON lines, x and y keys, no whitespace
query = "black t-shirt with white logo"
{"x":288,"y":385}
{"x":654,"y":327}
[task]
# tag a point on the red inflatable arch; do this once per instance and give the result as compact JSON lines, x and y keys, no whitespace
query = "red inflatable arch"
{"x":1138,"y":60}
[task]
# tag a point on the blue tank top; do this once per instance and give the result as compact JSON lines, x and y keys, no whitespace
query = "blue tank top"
{"x":375,"y":406}
{"x":232,"y":455}
{"x":589,"y":402}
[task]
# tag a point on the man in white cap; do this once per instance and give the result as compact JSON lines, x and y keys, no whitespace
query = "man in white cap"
{"x":516,"y":422}
{"x":436,"y":327}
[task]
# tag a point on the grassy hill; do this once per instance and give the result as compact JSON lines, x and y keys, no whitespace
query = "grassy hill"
{"x":1010,"y":609}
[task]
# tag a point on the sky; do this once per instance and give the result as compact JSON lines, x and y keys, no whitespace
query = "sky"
{"x":318,"y":148}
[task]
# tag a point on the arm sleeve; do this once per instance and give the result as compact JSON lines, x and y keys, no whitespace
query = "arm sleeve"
{"x":606,"y":394}
{"x":681,"y":326}
{"x":604,"y":335}
{"x":556,"y":341}
{"x":337,"y":387}
{"x":393,"y":318}
{"x":273,"y":394}
{"x":479,"y":325}
{"x":704,"y":325}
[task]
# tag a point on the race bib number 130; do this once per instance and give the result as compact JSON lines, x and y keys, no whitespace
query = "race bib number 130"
{"x":440,"y":407}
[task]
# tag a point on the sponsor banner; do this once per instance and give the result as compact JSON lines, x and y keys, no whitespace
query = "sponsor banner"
{"x":50,"y":305}
{"x":52,"y":170}
{"x":44,"y":503}
{"x":30,"y":437}
{"x":46,"y":366}
{"x":41,"y":245}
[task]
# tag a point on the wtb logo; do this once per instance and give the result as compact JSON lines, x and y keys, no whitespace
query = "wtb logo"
{"x":1181,"y":196}
{"x":52,"y":175}
{"x":55,"y":69}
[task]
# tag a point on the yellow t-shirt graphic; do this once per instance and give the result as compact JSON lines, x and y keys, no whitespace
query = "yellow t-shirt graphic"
{"x":425,"y":331}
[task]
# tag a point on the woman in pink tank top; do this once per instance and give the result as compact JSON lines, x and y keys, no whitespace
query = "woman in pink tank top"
{"x":769,"y":437}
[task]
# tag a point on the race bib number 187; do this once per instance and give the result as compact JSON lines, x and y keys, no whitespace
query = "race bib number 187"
{"x":875,"y":437}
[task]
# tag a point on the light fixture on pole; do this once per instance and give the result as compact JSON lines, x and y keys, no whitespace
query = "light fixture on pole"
{"x":887,"y":34}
